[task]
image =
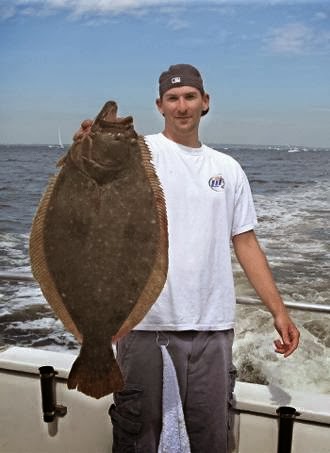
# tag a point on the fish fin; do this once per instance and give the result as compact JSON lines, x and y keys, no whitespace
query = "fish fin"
{"x":39,"y":266}
{"x":99,"y":380}
{"x":62,"y":160}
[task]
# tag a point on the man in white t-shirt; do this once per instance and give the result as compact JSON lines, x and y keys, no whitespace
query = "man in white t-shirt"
{"x":209,"y":206}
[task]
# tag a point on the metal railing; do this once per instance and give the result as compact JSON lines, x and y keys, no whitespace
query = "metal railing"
{"x":16,"y":277}
{"x":291,"y":305}
{"x":316,"y":308}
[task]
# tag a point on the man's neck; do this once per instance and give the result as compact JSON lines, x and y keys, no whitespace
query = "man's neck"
{"x":190,"y":140}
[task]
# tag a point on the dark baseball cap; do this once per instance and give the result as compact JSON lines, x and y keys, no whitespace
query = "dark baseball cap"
{"x":181,"y":75}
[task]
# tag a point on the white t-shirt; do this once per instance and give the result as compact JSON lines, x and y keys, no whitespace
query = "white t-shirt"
{"x":208,"y":201}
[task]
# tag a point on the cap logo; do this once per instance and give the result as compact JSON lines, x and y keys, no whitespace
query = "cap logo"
{"x":175,"y":80}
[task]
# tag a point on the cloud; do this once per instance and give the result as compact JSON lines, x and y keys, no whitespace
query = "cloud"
{"x":80,"y":7}
{"x":10,"y":8}
{"x":320,"y":15}
{"x":178,"y":24}
{"x":292,"y":39}
{"x":297,"y":39}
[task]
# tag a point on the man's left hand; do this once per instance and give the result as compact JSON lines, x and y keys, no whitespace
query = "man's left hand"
{"x":289,"y":335}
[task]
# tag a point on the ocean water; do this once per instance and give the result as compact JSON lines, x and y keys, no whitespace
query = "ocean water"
{"x":291,"y":193}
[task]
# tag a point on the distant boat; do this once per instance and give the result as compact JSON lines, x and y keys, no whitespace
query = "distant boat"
{"x":60,"y":144}
{"x":293,"y":150}
{"x":59,"y":138}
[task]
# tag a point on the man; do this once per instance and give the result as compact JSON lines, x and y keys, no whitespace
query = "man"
{"x":209,"y":204}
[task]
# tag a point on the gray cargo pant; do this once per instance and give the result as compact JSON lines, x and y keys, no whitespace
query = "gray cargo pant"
{"x":206,"y":377}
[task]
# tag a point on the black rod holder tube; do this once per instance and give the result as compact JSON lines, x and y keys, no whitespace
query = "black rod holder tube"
{"x":286,"y":416}
{"x":49,"y":407}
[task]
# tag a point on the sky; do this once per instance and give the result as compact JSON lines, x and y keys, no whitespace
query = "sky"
{"x":265,"y":64}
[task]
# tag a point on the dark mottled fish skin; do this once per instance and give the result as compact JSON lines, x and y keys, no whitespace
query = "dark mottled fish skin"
{"x":98,"y":245}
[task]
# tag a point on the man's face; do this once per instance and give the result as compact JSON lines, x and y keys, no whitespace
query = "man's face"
{"x":182,"y":108}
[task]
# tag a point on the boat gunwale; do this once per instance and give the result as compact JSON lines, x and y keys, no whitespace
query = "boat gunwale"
{"x":255,"y":399}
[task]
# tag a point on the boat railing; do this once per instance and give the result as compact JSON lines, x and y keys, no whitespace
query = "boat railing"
{"x":319,"y":308}
{"x":16,"y":277}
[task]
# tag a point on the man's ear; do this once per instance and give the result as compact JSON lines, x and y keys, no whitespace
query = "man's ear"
{"x":206,"y":102}
{"x":159,"y":106}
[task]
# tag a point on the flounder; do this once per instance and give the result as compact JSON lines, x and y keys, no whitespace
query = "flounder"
{"x":99,"y":244}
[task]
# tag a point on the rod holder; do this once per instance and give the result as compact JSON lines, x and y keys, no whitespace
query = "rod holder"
{"x":286,"y":415}
{"x":50,"y":409}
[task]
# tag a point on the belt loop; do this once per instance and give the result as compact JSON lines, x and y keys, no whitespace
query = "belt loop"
{"x":165,"y":341}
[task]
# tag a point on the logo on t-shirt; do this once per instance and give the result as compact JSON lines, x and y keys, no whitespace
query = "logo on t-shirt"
{"x":217,"y":183}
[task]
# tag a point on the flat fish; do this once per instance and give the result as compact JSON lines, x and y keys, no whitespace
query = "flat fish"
{"x":99,"y":244}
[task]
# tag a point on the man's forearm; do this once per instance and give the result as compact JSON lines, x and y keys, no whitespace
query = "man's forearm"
{"x":256,"y":267}
{"x":257,"y":270}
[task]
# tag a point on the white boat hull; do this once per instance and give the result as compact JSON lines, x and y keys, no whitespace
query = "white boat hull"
{"x":87,"y":428}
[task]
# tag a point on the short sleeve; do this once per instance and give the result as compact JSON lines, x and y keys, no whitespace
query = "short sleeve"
{"x":244,"y":218}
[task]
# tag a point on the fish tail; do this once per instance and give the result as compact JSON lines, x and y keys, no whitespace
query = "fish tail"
{"x":98,"y":380}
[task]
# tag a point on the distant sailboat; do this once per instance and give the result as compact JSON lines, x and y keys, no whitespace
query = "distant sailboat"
{"x":59,"y":139}
{"x":60,"y":144}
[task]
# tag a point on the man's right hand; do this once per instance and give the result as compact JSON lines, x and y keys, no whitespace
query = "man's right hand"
{"x":84,"y":130}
